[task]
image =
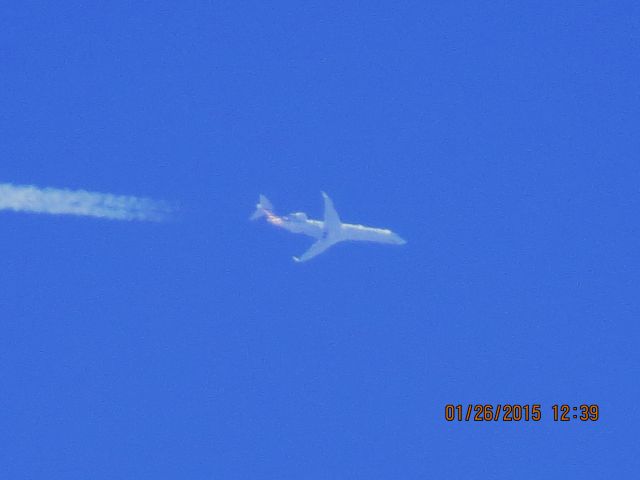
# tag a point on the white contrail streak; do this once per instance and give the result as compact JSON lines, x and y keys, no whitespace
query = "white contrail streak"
{"x":23,"y":198}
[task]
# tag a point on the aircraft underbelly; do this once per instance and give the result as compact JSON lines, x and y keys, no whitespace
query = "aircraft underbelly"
{"x":366,"y":234}
{"x":307,"y":228}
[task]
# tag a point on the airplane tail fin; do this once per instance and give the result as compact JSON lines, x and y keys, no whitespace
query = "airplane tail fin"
{"x":263,"y":206}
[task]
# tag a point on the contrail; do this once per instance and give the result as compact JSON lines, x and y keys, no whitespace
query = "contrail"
{"x":27,"y":198}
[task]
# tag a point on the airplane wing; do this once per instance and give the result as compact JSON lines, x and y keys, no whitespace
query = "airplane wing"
{"x":332,"y":223}
{"x":315,"y":249}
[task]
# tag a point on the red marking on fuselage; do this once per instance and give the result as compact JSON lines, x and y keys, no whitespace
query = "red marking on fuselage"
{"x":273,"y":219}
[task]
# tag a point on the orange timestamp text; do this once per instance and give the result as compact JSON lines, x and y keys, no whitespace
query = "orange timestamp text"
{"x":514,"y":412}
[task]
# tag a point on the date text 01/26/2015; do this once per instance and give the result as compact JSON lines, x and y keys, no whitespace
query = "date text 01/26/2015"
{"x":513,"y":412}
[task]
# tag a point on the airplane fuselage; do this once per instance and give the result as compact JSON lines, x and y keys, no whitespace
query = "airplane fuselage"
{"x":347,"y":231}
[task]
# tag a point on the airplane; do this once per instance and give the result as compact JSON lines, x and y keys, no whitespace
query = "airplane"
{"x":327,"y":232}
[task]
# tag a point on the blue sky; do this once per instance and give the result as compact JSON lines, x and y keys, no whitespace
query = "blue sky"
{"x":499,"y":138}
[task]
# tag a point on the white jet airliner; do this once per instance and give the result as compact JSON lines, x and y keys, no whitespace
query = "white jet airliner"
{"x":327,"y":232}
